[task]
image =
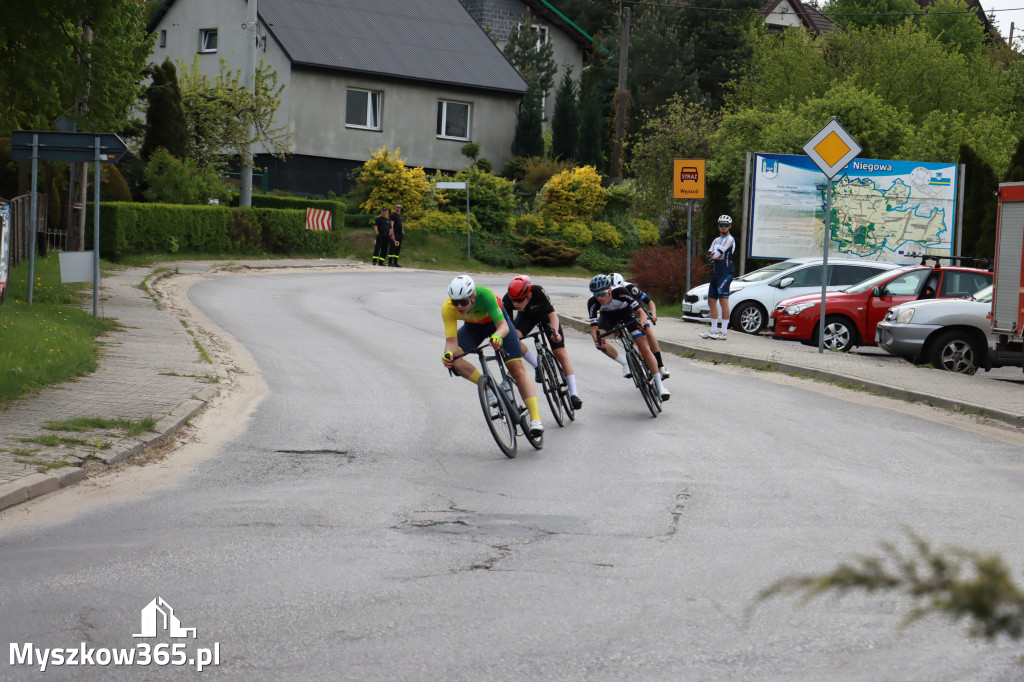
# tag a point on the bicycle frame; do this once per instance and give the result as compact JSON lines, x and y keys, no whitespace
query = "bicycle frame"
{"x":643,"y":379}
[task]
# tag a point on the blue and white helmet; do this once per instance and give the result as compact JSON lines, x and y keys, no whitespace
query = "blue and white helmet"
{"x":461,"y":287}
{"x":600,"y":283}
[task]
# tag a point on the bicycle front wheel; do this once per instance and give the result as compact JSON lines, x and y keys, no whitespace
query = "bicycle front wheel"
{"x":499,"y":421}
{"x":549,"y":376}
{"x":641,"y":377}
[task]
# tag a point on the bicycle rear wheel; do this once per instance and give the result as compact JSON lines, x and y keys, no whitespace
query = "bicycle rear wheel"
{"x":499,"y":421}
{"x":550,"y":383}
{"x":641,"y":378}
{"x":563,"y":390}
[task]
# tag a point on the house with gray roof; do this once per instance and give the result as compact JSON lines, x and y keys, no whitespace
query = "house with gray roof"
{"x":418,"y":75}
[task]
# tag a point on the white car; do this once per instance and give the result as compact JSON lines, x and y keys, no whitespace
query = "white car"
{"x":753,"y":296}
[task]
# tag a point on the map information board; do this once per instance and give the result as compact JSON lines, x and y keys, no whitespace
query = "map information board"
{"x":881,"y":210}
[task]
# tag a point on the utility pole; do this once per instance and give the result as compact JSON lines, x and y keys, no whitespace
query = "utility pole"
{"x":621,"y":98}
{"x":245,"y":178}
{"x":83,"y":169}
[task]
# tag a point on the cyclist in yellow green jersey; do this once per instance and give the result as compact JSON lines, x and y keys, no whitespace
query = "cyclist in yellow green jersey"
{"x":484,"y":318}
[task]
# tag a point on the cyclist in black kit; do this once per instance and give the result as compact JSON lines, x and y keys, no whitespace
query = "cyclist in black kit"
{"x":652,"y":312}
{"x":529,"y":306}
{"x":608,"y":307}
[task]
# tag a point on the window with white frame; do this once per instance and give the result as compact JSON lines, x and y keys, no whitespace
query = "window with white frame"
{"x":208,"y":40}
{"x":453,"y":119}
{"x":539,"y":31}
{"x":362,"y":109}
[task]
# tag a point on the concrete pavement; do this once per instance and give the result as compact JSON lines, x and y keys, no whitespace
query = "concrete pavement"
{"x":154,"y":368}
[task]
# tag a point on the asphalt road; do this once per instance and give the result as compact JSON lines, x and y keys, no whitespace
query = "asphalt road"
{"x":364,"y":525}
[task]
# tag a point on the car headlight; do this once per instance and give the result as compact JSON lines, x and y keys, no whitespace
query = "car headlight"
{"x":905,"y":315}
{"x":798,"y":308}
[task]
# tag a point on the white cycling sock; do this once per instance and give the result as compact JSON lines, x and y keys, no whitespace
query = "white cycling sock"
{"x":619,"y":359}
{"x":571,"y":380}
{"x":530,"y":358}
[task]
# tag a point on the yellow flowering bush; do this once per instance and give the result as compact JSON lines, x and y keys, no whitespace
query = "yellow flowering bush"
{"x":392,"y":182}
{"x":573,"y":195}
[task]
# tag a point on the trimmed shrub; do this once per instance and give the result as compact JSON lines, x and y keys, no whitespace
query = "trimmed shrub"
{"x":577,"y":233}
{"x":595,"y":259}
{"x":649,"y":232}
{"x":606,"y":234}
{"x":112,"y":184}
{"x":621,"y":197}
{"x":499,"y":255}
{"x":359,"y":221}
{"x":531,"y":224}
{"x":440,"y":222}
{"x":548,"y":253}
{"x":155,"y":228}
{"x":182,"y":182}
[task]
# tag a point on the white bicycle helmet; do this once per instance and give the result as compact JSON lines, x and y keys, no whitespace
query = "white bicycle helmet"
{"x":617,"y":280}
{"x":727,"y":219}
{"x":461,"y":287}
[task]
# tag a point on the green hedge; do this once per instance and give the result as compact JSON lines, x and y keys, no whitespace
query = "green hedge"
{"x":172,"y":228}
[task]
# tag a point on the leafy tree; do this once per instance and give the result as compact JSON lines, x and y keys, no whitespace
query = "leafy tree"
{"x":219,"y":110}
{"x":47,"y":64}
{"x":165,"y":116}
{"x":387,"y":181}
{"x":677,"y":130}
{"x":867,"y":13}
{"x":955,"y":24}
{"x":565,"y":122}
{"x":958,"y":584}
{"x":173,"y":181}
{"x":528,"y":139}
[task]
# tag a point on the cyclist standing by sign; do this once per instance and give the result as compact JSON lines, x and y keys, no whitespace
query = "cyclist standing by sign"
{"x":720,"y":257}
{"x":529,"y":306}
{"x":484,"y":318}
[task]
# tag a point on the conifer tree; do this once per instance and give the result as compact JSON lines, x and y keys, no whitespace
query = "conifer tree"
{"x":979,"y":213}
{"x":565,"y":122}
{"x":529,"y":138}
{"x":165,"y":116}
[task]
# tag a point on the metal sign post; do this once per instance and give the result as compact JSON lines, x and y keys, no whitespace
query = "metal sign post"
{"x":688,"y":183}
{"x":63,"y":146}
{"x":465,"y":186}
{"x":830,"y":149}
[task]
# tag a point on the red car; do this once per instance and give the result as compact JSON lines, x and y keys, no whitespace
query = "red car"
{"x":852,"y":314}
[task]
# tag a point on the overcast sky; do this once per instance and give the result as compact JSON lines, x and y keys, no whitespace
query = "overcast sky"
{"x":1007,"y":11}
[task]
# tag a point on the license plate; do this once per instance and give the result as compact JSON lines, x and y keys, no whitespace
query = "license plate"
{"x":687,"y":307}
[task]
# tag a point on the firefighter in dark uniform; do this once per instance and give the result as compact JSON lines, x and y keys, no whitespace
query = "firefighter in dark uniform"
{"x":382,"y":228}
{"x":397,"y":235}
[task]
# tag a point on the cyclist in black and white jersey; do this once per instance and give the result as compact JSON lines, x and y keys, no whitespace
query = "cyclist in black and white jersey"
{"x":608,"y":307}
{"x":618,"y":281}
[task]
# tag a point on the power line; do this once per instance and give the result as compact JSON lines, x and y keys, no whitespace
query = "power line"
{"x":973,"y":12}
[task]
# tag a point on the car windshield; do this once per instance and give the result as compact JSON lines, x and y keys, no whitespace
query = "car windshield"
{"x":872,"y":282}
{"x":984,"y":295}
{"x":767,"y":272}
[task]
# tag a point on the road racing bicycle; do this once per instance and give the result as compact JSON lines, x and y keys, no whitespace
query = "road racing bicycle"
{"x":642,"y":377}
{"x":556,"y":388}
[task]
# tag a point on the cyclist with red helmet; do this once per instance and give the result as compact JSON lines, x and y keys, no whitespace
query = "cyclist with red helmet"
{"x":484,"y":319}
{"x":529,"y":306}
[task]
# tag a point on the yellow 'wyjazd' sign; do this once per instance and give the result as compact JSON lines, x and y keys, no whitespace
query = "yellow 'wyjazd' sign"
{"x":688,"y":179}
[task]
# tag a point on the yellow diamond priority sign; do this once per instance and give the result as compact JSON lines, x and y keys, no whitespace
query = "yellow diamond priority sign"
{"x":832,"y":148}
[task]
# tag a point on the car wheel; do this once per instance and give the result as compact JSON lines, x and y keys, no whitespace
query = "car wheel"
{"x":955,"y":351}
{"x":749,"y":318}
{"x":840,"y":333}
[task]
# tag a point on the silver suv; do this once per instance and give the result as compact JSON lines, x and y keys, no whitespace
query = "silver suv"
{"x":753,"y":296}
